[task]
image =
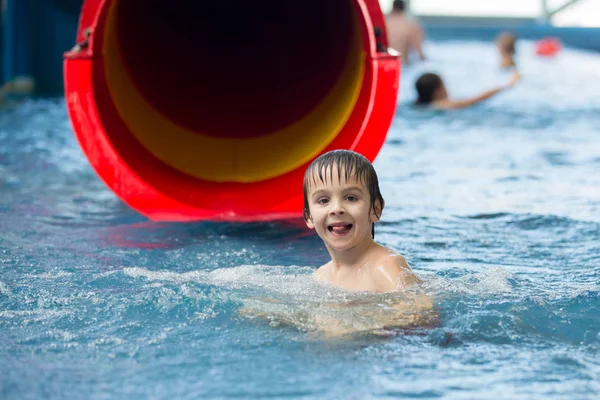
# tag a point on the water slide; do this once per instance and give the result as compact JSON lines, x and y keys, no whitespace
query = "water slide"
{"x":211,"y":110}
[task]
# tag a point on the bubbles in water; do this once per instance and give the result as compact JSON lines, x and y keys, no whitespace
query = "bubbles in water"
{"x":5,"y":289}
{"x":289,"y":296}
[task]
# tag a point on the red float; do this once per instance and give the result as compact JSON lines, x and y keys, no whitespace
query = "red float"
{"x":548,"y":47}
{"x":200,"y":110}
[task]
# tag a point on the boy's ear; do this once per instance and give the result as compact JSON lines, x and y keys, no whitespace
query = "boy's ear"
{"x":309,"y":221}
{"x":377,"y":210}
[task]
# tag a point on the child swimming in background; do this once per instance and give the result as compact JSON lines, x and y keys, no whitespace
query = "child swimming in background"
{"x":342,"y":203}
{"x":505,"y":43}
{"x":432,"y":92}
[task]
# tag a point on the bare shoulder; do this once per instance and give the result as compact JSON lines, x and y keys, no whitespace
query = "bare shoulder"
{"x":323,"y":273}
{"x":393,"y":273}
{"x":445,"y":104}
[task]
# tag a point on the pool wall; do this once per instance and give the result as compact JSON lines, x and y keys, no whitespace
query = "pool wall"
{"x":34,"y":35}
{"x":444,"y":28}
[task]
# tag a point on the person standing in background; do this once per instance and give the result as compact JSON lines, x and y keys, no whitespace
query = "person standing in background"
{"x":404,"y":33}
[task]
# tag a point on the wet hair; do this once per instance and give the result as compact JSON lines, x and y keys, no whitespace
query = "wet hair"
{"x":398,"y":5}
{"x":426,"y":86}
{"x":507,"y":41}
{"x":351,"y":164}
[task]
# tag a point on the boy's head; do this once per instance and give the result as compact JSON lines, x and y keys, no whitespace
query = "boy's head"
{"x":430,"y":87}
{"x":398,"y":5}
{"x":343,"y":166}
{"x":506,"y":42}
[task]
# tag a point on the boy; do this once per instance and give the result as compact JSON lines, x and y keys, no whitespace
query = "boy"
{"x":506,"y":43}
{"x":432,"y":92}
{"x":342,"y":202}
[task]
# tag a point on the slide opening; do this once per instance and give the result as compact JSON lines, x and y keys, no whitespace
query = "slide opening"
{"x":233,"y":92}
{"x":235,"y":69}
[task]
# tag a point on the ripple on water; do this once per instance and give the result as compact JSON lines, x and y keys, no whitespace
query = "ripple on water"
{"x":496,"y":207}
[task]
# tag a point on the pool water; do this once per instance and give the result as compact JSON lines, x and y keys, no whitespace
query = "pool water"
{"x":496,"y":207}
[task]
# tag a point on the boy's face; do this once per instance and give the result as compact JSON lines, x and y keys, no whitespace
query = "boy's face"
{"x":340,"y":211}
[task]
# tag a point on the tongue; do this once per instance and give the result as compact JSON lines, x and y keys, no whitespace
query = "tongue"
{"x":340,"y":228}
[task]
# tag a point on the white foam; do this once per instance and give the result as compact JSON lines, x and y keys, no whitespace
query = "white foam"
{"x":50,"y":275}
{"x":192,"y":276}
{"x":5,"y":289}
{"x":38,"y":315}
{"x":288,"y":295}
{"x":292,"y":280}
{"x":492,"y":281}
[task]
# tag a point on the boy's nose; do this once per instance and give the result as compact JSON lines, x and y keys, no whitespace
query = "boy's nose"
{"x":337,"y":208}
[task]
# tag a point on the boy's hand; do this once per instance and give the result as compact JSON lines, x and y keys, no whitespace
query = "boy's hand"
{"x":516,"y":77}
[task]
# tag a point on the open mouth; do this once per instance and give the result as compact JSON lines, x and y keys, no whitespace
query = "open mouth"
{"x":339,"y":228}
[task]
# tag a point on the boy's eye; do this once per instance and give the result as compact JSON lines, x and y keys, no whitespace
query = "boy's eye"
{"x":351,"y":198}
{"x":323,"y":201}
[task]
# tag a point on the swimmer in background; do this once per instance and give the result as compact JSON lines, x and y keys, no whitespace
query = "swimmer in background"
{"x":404,"y":33}
{"x":432,"y":92}
{"x":505,"y":43}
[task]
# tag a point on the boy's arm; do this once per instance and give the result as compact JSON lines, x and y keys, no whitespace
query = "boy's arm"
{"x":321,"y":273}
{"x":456,"y":104}
{"x":394,"y":274}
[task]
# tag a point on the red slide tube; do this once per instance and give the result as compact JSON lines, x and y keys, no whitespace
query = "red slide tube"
{"x":212,"y":110}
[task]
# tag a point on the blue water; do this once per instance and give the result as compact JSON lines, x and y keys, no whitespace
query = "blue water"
{"x":496,"y":207}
